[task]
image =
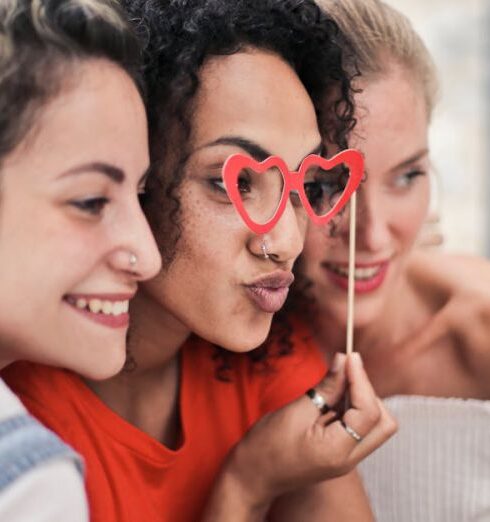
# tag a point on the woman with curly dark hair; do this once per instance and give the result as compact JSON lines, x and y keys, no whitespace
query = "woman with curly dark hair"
{"x":222,"y":77}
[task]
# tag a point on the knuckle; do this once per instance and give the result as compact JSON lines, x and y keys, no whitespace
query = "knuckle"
{"x":390,"y":426}
{"x":372,"y":415}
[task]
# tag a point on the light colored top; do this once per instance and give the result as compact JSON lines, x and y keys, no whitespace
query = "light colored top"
{"x":45,"y":487}
{"x":437,"y":467}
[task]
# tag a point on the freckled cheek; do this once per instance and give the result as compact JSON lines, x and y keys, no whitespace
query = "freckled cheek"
{"x":212,"y":249}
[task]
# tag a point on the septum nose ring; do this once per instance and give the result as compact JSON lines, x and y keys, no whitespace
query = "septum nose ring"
{"x":263,"y":247}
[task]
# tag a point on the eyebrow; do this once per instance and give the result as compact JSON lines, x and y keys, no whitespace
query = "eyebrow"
{"x":254,"y":149}
{"x":412,"y":159}
{"x":112,"y":172}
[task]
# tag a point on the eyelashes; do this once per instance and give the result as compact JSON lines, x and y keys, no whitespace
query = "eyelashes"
{"x":407,"y":179}
{"x":90,"y":206}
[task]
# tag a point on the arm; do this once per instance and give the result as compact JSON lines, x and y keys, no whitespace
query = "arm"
{"x":340,"y":500}
{"x":296,"y":447}
{"x":230,"y":501}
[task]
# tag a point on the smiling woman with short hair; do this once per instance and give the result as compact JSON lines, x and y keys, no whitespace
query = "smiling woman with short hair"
{"x":72,"y":162}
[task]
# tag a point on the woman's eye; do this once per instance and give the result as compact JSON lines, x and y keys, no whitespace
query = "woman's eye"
{"x":92,"y":206}
{"x":320,"y":193}
{"x":244,"y":185}
{"x":217,"y":184}
{"x":407,"y":179}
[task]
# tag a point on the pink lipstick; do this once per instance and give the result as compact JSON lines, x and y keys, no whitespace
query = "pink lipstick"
{"x":368,"y":277}
{"x":269,"y":292}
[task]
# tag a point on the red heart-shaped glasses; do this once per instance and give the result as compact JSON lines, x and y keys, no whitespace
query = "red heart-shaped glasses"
{"x":260,"y":190}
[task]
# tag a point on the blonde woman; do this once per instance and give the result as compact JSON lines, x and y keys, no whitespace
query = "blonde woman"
{"x":421,"y":318}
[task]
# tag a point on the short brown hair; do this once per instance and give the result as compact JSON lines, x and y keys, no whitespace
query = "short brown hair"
{"x":39,"y":39}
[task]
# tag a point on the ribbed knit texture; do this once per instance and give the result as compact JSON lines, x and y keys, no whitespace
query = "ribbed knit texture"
{"x":437,"y":467}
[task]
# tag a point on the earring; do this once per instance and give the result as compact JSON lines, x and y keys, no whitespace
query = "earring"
{"x":263,"y":247}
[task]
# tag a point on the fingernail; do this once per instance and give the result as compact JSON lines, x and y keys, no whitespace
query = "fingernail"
{"x":337,"y":362}
{"x":357,"y":359}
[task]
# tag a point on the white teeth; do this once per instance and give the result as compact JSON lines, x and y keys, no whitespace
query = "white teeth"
{"x":107,"y":307}
{"x":95,"y":305}
{"x":119,"y":307}
{"x":359,"y":273}
{"x":81,"y":303}
{"x":104,"y":307}
{"x":366,"y":273}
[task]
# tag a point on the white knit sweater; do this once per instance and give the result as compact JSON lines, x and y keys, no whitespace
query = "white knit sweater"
{"x":437,"y":467}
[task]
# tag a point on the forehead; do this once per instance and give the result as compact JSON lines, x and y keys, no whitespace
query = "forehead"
{"x":257,"y":96}
{"x":392,"y":121}
{"x":98,"y":115}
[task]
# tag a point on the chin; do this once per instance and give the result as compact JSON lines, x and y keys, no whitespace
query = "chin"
{"x":365,"y":312}
{"x":242,"y":340}
{"x":99,"y":369}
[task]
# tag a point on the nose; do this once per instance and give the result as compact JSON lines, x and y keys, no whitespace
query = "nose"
{"x":372,"y":223}
{"x":285,"y":241}
{"x":137,"y":252}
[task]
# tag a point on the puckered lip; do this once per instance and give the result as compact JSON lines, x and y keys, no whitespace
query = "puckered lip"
{"x":72,"y":298}
{"x":277,"y":279}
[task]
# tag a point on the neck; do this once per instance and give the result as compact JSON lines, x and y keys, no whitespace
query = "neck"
{"x":373,"y":339}
{"x":155,"y":335}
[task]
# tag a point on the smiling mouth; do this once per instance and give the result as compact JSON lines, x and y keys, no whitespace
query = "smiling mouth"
{"x":367,"y":278}
{"x":113,"y":312}
{"x":360,"y":273}
{"x":100,"y":306}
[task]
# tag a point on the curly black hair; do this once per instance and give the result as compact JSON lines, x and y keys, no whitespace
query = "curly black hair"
{"x":180,"y":35}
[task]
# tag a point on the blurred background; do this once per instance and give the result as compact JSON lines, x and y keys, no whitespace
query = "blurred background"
{"x":457,"y":33}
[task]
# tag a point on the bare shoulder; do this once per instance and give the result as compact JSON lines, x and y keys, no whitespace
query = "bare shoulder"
{"x":450,"y":273}
{"x":460,"y":287}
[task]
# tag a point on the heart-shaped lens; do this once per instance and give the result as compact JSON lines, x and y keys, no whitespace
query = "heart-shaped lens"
{"x":260,"y":192}
{"x":324,"y":187}
{"x":327,"y":184}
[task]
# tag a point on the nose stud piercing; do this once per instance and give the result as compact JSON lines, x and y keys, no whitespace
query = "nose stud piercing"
{"x":133,"y":259}
{"x":263,"y":247}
